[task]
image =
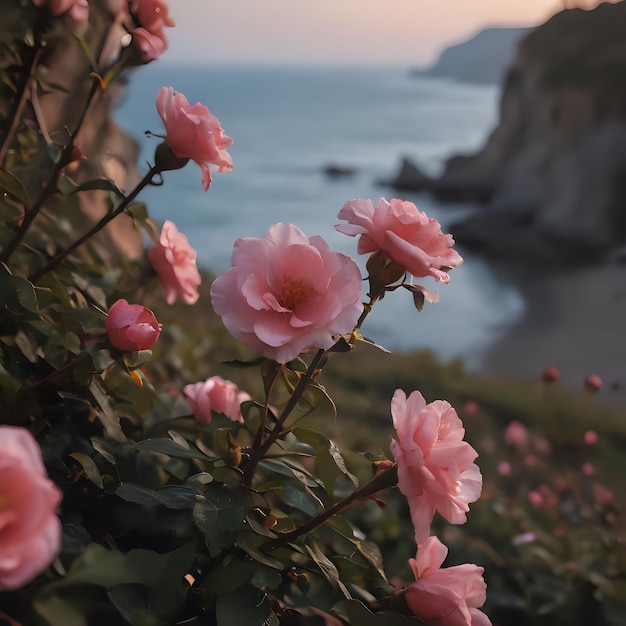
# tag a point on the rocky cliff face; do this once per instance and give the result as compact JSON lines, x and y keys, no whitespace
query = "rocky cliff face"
{"x":552,"y":176}
{"x":484,"y":58}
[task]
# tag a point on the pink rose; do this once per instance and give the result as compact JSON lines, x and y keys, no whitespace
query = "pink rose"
{"x":435,"y":466}
{"x":445,"y":597}
{"x":517,"y":434}
{"x":287,"y":293}
{"x":175,"y":263}
{"x":194,"y":133}
{"x":152,"y":17}
{"x":593,"y":383}
{"x":30,"y":531}
{"x":551,"y":374}
{"x":215,"y":395}
{"x":403,"y":234}
{"x":132,"y":327}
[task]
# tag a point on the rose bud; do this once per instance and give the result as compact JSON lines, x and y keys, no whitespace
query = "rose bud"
{"x":593,"y":383}
{"x":132,"y":327}
{"x":550,"y":374}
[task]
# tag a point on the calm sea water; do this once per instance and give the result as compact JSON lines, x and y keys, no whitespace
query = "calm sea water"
{"x":287,"y":124}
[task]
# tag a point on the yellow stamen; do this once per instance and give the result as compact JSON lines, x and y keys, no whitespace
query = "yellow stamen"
{"x":295,"y":293}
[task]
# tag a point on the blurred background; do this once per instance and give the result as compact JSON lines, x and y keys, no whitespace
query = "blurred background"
{"x":505,"y":121}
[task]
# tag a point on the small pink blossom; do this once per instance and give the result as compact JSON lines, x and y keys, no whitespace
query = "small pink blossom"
{"x":593,"y":383}
{"x":403,"y":233}
{"x":470,"y":409}
{"x":194,"y":133}
{"x":215,"y":395}
{"x":519,"y":540}
{"x":504,"y":468}
{"x":30,"y":531}
{"x":286,"y":293}
{"x":517,"y":434}
{"x":132,"y":327}
{"x":450,"y":596}
{"x":535,"y":498}
{"x":550,"y":374}
{"x":435,"y":466}
{"x":175,"y":263}
{"x":588,"y":469}
{"x":591,"y":437}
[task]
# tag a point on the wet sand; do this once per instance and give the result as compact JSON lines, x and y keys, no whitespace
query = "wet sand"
{"x":575,"y":320}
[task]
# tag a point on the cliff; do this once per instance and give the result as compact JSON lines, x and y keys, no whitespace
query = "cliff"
{"x":484,"y":58}
{"x":552,"y":175}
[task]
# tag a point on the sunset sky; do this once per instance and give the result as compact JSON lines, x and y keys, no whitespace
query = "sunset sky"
{"x":337,"y":31}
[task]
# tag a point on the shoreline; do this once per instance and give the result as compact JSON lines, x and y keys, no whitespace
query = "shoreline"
{"x":575,"y":320}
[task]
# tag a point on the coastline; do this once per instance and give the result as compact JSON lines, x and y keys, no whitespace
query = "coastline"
{"x":575,"y":320}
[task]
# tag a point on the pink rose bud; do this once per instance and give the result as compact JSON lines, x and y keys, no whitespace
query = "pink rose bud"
{"x":192,"y":132}
{"x":504,"y":468}
{"x":132,"y":327}
{"x":550,"y":374}
{"x":436,"y":469}
{"x":588,"y":469}
{"x":593,"y":383}
{"x":535,"y":498}
{"x":215,"y":395}
{"x":470,"y":409}
{"x":516,"y":434}
{"x":591,"y":437}
{"x":30,"y":531}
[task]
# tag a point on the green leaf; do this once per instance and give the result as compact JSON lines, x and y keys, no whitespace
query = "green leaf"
{"x":90,"y":468}
{"x":170,"y":496}
{"x":171,"y":448}
{"x":329,"y":461}
{"x":14,"y":187}
{"x":229,"y":575}
{"x":327,"y":568}
{"x":247,"y":605}
{"x":102,"y":184}
{"x":107,"y":414}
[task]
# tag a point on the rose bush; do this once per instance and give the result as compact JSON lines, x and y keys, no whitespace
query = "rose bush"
{"x":215,"y":395}
{"x":436,"y":471}
{"x":175,"y":263}
{"x":132,"y":327}
{"x":194,"y":133}
{"x":286,"y":293}
{"x":30,"y":531}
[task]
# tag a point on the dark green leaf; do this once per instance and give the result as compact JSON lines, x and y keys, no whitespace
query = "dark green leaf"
{"x":90,"y":468}
{"x":248,"y":605}
{"x":14,"y":187}
{"x":102,"y":184}
{"x":171,"y":448}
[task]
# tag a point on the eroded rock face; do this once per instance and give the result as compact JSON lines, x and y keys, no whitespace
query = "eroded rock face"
{"x":552,"y":176}
{"x":64,"y":82}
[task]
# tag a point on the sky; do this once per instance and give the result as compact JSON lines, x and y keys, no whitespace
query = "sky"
{"x":346,"y":32}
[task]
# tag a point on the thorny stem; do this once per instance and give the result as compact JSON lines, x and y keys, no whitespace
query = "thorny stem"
{"x":145,"y":181}
{"x":384,"y":479}
{"x":21,"y":97}
{"x":258,"y":451}
{"x":51,"y":187}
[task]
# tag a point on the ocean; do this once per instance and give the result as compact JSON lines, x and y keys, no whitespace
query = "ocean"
{"x":287,"y":125}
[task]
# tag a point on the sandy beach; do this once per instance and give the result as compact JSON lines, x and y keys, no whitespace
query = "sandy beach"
{"x":575,"y":320}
